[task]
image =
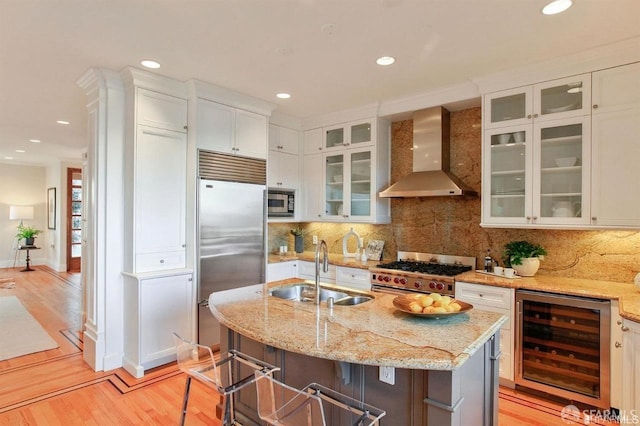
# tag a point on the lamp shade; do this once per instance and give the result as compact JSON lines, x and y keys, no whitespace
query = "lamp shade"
{"x":20,"y":212}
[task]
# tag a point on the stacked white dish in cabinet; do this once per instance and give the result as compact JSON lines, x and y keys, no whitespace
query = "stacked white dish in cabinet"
{"x":500,"y":300}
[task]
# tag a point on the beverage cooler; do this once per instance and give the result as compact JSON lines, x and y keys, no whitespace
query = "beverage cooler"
{"x":562,"y":346}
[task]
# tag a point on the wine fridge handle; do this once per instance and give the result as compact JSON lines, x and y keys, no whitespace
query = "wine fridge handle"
{"x":518,"y":342}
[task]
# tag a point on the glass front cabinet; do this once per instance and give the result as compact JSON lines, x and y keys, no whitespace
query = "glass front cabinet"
{"x":355,"y":134}
{"x":348,"y":185}
{"x":537,"y":154}
{"x":538,"y":175}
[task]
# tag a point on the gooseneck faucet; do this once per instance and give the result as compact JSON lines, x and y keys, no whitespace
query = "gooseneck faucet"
{"x":325,"y":267}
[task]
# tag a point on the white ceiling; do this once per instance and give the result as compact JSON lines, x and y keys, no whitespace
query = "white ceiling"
{"x":261,"y":47}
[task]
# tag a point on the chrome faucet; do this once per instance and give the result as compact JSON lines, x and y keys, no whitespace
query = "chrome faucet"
{"x":325,"y":267}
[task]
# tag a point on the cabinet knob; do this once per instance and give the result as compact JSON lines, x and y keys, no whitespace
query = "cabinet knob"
{"x":535,"y":218}
{"x":595,"y":106}
{"x":528,"y":218}
{"x":619,"y":322}
{"x":594,"y":218}
{"x":624,"y":328}
{"x":186,"y":127}
{"x":618,"y":345}
{"x":184,"y":245}
{"x":529,"y":116}
{"x":161,"y":260}
{"x":535,"y":115}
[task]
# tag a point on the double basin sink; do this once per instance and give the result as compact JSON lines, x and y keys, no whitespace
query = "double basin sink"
{"x":305,"y":291}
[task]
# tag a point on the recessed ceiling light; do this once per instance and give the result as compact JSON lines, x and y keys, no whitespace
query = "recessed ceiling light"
{"x":148,"y":63}
{"x":34,"y":140}
{"x":385,"y":60}
{"x":20,"y":150}
{"x":283,"y":95}
{"x":556,"y":6}
{"x":62,"y":122}
{"x":8,"y":158}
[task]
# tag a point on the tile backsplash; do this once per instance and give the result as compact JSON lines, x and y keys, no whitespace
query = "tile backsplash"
{"x":451,"y":225}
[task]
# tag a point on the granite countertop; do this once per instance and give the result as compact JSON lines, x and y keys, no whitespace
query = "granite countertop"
{"x":628,"y":295}
{"x":334,"y":259}
{"x":372,"y":333}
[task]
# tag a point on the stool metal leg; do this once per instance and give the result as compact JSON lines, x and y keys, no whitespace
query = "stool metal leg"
{"x":185,"y":401}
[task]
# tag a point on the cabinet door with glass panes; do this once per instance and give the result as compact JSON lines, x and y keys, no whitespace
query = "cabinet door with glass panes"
{"x":550,"y":100}
{"x":562,"y":175}
{"x":350,"y":135}
{"x":507,"y":175}
{"x":348,"y":188}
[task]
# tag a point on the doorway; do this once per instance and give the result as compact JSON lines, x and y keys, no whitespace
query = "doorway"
{"x":74,"y":219}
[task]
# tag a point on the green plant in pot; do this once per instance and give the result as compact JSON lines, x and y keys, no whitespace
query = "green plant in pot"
{"x":29,"y":234}
{"x":524,"y":257}
{"x":298,"y":238}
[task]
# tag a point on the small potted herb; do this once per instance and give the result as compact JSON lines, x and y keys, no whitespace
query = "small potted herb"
{"x":29,"y":234}
{"x":298,"y":235}
{"x":524,"y":257}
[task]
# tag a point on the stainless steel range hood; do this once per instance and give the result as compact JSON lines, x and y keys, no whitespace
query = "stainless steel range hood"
{"x":431,"y":176}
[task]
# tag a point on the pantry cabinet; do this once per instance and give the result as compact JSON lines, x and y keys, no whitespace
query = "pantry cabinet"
{"x":155,"y":166}
{"x":156,"y":306}
{"x":229,"y":130}
{"x":352,"y":169}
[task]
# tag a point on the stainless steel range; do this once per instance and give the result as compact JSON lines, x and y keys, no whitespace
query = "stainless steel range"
{"x":420,"y":272}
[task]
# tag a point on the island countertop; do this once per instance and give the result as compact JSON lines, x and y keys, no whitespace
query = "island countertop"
{"x":372,"y":333}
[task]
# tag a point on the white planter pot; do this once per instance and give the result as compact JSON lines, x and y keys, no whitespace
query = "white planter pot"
{"x":529,"y":267}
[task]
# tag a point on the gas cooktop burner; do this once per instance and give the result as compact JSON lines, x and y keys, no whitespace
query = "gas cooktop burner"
{"x":426,"y":267}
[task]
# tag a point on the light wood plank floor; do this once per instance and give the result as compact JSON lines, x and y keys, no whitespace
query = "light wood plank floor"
{"x":56,"y":387}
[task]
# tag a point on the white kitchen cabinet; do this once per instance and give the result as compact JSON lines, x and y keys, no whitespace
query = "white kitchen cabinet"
{"x":282,"y":270}
{"x":307,"y":270}
{"x":353,"y":134}
{"x":350,"y":175}
{"x":630,"y":369}
{"x":615,"y":356}
{"x":222,"y":128}
{"x":162,"y":111}
{"x":155,"y":167}
{"x":159,"y":186}
{"x":357,"y":278}
{"x":156,"y":306}
{"x":283,"y":139}
{"x":538,"y":174}
{"x":616,"y":148}
{"x":500,"y":300}
{"x":283,"y":160}
{"x":312,"y":188}
{"x":312,"y":141}
{"x":550,"y":100}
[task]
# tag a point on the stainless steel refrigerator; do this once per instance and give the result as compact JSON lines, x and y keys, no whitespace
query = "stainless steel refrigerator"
{"x":231,"y":222}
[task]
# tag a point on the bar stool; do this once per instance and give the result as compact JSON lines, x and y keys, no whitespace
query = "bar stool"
{"x":283,"y":405}
{"x":197,"y":362}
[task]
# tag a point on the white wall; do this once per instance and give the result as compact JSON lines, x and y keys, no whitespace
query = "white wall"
{"x":22,"y":185}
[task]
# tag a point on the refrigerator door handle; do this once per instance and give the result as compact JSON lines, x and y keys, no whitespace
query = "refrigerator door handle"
{"x":204,"y":303}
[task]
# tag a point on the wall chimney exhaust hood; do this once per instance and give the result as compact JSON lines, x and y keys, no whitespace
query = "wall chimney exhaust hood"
{"x":431,"y":176}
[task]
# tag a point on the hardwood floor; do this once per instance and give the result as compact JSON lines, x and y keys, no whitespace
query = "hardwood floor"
{"x":56,"y":387}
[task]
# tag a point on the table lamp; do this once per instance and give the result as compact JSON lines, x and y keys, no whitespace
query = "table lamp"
{"x":20,"y":213}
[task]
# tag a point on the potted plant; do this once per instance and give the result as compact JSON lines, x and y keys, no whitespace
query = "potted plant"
{"x":28,"y":233}
{"x":298,"y":235}
{"x":524,"y":257}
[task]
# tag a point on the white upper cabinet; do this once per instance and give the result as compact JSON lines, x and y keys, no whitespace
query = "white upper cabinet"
{"x":312,"y":141}
{"x":574,"y":162}
{"x":161,"y":111}
{"x":551,"y":100}
{"x":353,"y":134}
{"x":342,"y":183}
{"x":283,"y":161}
{"x":616,"y":147}
{"x":222,"y":128}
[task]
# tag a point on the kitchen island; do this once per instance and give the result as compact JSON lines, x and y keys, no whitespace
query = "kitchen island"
{"x":444,"y":370}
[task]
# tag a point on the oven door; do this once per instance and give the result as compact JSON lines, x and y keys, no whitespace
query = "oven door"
{"x":389,"y":290}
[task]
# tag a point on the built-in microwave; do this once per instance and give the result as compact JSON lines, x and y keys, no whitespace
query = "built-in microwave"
{"x":281,"y":203}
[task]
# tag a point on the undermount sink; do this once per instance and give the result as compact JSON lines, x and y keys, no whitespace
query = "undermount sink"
{"x":304,"y":292}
